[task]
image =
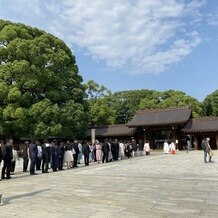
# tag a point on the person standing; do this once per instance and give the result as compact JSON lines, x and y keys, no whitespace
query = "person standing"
{"x":1,"y":155}
{"x":141,"y":146}
{"x":75,"y":151}
{"x":14,"y":159}
{"x":98,"y":148}
{"x":46,"y":154}
{"x":55,"y":152}
{"x":39,"y":156}
{"x":147,"y":149}
{"x":7,"y":157}
{"x":86,"y":152}
{"x":25,"y":156}
{"x":208,"y":148}
{"x":61,"y":156}
{"x":134,"y":148}
{"x":172,"y":147}
{"x":113,"y":149}
{"x":188,"y":145}
{"x":33,"y":151}
{"x":204,"y":148}
{"x":105,"y":150}
{"x":121,"y":150}
{"x":80,"y":152}
{"x":166,"y":147}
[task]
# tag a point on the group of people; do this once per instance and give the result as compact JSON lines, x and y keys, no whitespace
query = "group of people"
{"x":169,"y":148}
{"x":40,"y":156}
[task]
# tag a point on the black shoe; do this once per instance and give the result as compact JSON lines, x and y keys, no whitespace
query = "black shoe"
{"x":8,"y":177}
{"x":33,"y":173}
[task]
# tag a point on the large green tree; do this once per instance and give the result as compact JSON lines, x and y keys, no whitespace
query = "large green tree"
{"x":211,"y":104}
{"x":41,"y":92}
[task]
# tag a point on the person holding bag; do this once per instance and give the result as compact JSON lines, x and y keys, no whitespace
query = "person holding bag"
{"x":209,"y":150}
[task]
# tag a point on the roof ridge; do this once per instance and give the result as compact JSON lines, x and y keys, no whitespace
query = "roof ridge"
{"x":205,"y":118}
{"x":105,"y":126}
{"x":163,"y":109}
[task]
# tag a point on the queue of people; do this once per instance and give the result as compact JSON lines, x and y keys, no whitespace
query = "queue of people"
{"x":42,"y":156}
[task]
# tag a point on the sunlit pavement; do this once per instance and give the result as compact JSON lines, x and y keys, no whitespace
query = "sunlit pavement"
{"x":158,"y":185}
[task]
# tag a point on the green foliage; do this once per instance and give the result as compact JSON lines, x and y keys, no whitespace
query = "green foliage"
{"x":172,"y":98}
{"x":210,"y":104}
{"x":120,"y":107}
{"x":39,"y":82}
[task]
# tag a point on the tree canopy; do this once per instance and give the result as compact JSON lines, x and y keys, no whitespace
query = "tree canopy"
{"x":41,"y":92}
{"x":121,"y":106}
{"x":210,"y":104}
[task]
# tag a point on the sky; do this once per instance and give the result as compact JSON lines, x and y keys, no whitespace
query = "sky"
{"x":133,"y":44}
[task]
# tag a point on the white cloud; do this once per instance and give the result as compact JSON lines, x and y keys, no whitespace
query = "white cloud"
{"x":136,"y":36}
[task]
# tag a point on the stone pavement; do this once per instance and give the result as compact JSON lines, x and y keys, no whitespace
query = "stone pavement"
{"x":158,"y":185}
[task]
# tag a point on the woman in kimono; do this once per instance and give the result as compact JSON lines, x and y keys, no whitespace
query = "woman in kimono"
{"x":98,"y":148}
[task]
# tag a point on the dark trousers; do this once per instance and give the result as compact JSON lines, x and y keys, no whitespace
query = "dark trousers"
{"x":6,"y":167}
{"x":61,"y":160}
{"x":75,"y":160}
{"x":86,"y":159}
{"x":55,"y":164}
{"x":105,"y":157}
{"x":25,"y":163}
{"x":45,"y":162}
{"x":38,"y":163}
{"x":32,"y":165}
{"x":114,"y":155}
{"x":13,"y":164}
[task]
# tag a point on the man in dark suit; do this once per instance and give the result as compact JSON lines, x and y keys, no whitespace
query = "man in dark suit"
{"x":61,"y":156}
{"x":105,"y":150}
{"x":1,"y":154}
{"x":33,"y":151}
{"x":86,"y":150}
{"x":7,"y":157}
{"x":55,"y":152}
{"x":46,"y":155}
{"x":113,"y":150}
{"x":25,"y":156}
{"x":75,"y":153}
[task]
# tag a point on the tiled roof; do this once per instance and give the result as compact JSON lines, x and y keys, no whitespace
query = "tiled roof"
{"x":113,"y":130}
{"x":206,"y":124}
{"x":161,"y":117}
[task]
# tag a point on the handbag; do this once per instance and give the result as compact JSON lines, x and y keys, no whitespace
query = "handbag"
{"x":211,"y":153}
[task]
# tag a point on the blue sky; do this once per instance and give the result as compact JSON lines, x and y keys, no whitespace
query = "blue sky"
{"x":133,"y":44}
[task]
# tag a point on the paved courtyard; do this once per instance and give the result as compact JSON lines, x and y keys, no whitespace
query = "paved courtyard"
{"x":158,"y":185}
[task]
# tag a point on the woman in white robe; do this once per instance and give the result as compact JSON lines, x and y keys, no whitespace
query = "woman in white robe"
{"x":166,"y":148}
{"x":147,"y":149}
{"x":121,"y":151}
